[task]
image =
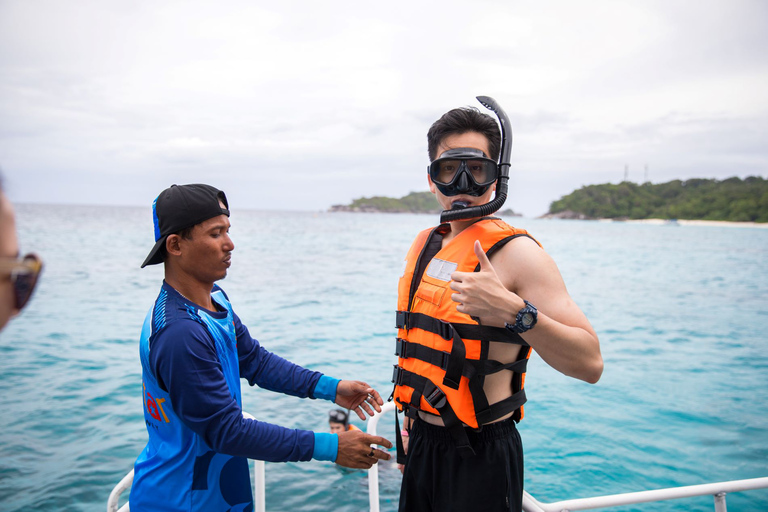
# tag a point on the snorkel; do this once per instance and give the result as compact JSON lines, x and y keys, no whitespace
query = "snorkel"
{"x":459,"y":212}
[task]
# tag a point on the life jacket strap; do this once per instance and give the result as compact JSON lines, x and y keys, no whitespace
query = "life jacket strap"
{"x":408,"y":320}
{"x":434,"y":396}
{"x":406,"y":349}
{"x":489,"y":367}
{"x":484,"y":412}
{"x":399,"y":441}
{"x":456,"y":333}
{"x":501,"y":408}
{"x":402,"y":377}
{"x":455,"y":364}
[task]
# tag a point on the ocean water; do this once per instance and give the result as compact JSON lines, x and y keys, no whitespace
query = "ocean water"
{"x":681,"y":311}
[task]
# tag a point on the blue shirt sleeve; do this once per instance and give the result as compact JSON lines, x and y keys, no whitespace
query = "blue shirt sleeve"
{"x":326,"y":388}
{"x":184,"y":359}
{"x":326,"y":446}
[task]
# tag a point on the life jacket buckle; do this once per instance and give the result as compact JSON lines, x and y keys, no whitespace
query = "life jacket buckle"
{"x":397,"y":376}
{"x":445,"y":329}
{"x":446,"y":358}
{"x":401,"y":348}
{"x":401,"y":319}
{"x":436,"y":398}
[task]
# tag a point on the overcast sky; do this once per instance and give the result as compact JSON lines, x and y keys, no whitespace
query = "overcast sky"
{"x":302,"y":105}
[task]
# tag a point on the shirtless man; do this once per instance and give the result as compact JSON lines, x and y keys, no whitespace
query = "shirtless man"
{"x":476,"y":296}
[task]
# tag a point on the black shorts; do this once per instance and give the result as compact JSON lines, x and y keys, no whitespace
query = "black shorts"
{"x":437,"y":478}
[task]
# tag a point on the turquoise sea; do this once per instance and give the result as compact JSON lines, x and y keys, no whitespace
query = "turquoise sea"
{"x":681,"y":311}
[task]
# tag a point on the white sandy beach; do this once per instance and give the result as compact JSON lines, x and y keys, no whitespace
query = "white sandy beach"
{"x":683,"y":222}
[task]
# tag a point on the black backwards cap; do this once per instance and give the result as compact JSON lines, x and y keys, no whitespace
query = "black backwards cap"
{"x":180,"y":207}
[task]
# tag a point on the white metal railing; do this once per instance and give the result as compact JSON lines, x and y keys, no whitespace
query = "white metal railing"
{"x":259,"y":480}
{"x":373,"y":473}
{"x":717,"y":490}
{"x":119,"y":489}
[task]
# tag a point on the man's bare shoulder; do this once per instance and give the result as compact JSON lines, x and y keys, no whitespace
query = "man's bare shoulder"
{"x":522,"y":249}
{"x":523,"y":260}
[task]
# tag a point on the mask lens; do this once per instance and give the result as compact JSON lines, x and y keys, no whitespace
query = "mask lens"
{"x":483,"y":171}
{"x":444,"y":171}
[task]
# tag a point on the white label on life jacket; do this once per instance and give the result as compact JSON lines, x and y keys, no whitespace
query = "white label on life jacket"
{"x":441,"y":269}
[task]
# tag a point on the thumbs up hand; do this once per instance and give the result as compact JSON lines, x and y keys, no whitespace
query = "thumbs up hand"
{"x":482,"y":294}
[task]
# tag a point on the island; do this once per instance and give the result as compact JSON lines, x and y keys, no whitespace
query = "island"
{"x":732,"y":200}
{"x":415,"y":202}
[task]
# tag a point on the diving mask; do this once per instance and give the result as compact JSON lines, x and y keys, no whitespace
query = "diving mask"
{"x":463,"y":171}
{"x":338,"y":416}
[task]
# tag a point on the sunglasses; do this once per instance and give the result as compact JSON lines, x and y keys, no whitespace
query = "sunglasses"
{"x":24,"y":273}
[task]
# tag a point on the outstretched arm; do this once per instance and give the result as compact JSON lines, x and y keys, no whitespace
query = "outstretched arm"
{"x":272,"y":372}
{"x":358,"y":396}
{"x":520,"y":271}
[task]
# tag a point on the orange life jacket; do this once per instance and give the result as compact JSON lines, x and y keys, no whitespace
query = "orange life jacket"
{"x":443,"y":354}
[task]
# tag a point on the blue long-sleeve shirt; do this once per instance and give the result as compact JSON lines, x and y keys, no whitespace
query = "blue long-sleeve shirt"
{"x":184,"y":360}
{"x":193,"y":360}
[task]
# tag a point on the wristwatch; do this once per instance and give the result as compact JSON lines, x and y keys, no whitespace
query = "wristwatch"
{"x":525,"y":320}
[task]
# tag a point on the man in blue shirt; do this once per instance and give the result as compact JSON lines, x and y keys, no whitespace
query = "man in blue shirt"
{"x":194,"y":349}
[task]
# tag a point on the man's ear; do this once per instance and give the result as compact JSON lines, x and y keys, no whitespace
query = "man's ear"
{"x":431,"y":183}
{"x":172,"y":245}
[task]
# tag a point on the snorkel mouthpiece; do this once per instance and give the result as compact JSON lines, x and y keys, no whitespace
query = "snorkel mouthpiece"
{"x":463,"y":212}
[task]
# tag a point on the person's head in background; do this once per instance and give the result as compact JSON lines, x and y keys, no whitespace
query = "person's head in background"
{"x":18,"y":276}
{"x":338,"y":421}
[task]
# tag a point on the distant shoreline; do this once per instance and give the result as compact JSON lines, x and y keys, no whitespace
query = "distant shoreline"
{"x":570,"y":215}
{"x":686,"y":222}
{"x":504,"y":213}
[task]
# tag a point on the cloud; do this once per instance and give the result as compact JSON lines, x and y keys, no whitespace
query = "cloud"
{"x":306,"y":105}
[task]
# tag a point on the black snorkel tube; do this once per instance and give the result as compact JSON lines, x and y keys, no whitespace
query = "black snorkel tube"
{"x":484,"y":210}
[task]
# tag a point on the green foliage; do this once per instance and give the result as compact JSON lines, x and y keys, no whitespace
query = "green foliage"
{"x":732,"y":199}
{"x":414,"y":202}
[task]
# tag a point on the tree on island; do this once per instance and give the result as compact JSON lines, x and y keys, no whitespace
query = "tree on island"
{"x":415,"y":202}
{"x":733,"y":200}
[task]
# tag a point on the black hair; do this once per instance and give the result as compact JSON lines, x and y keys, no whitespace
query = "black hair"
{"x":463,"y":120}
{"x":185,"y":233}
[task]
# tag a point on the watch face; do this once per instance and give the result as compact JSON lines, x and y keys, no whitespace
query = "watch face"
{"x":527,"y":319}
